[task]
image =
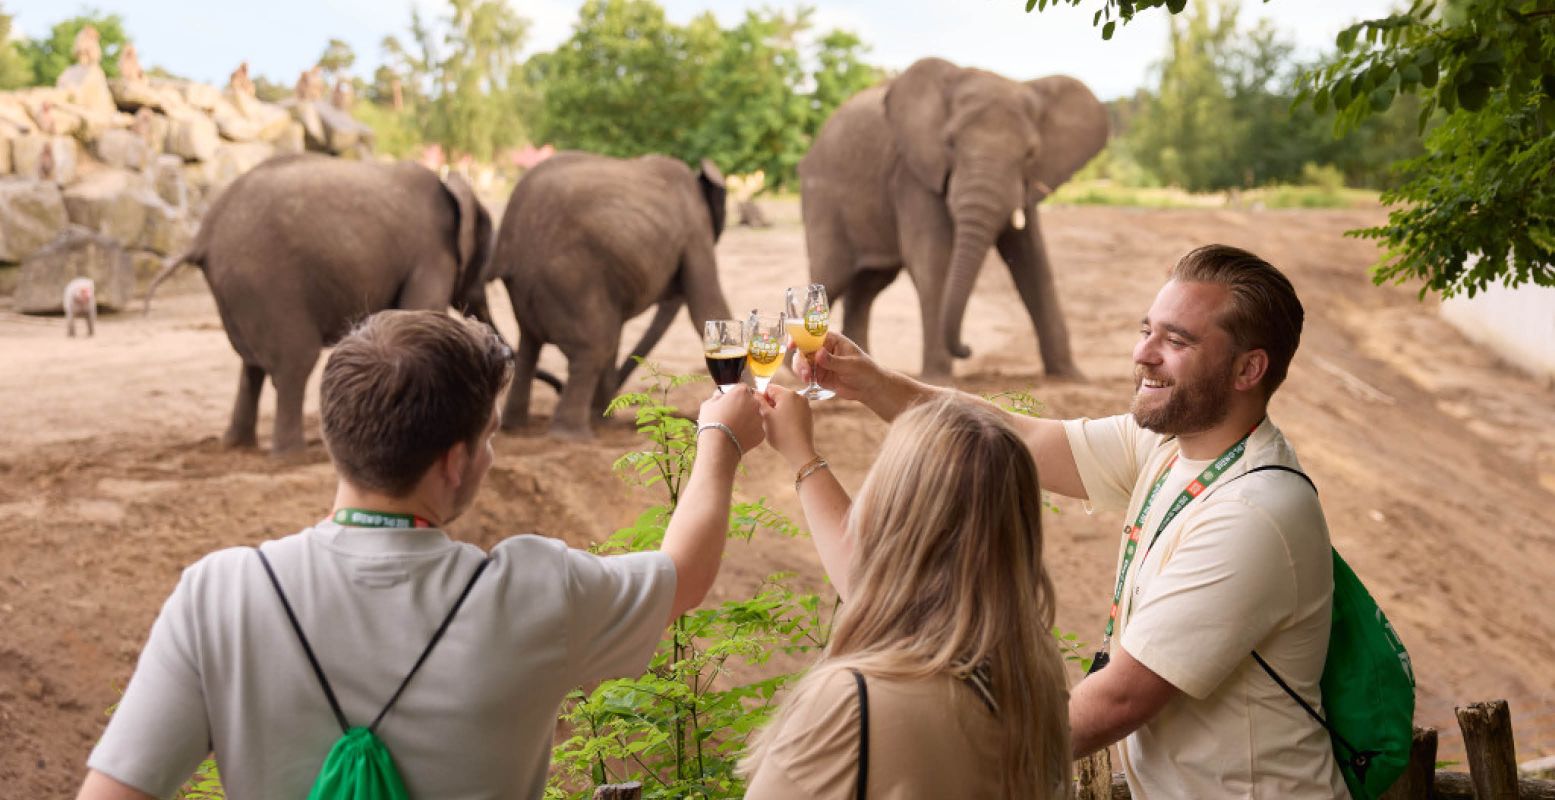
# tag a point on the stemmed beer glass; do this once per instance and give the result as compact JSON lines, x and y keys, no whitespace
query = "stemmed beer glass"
{"x":766,"y":345}
{"x":806,"y":315}
{"x":723,"y":343}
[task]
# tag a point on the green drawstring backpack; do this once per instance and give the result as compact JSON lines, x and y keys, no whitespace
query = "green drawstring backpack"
{"x":1368,"y":686}
{"x":359,"y":766}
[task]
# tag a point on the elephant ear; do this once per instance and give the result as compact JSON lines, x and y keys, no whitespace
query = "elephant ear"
{"x":716,"y":193}
{"x":468,"y":242}
{"x":917,"y":105}
{"x":1073,"y":126}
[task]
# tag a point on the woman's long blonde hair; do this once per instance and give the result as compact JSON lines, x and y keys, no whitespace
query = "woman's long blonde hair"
{"x":947,"y":576}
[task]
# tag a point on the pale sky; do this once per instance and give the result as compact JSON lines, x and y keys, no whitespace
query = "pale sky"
{"x":280,"y":38}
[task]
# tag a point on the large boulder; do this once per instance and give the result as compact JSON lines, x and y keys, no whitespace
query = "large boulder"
{"x":293,"y":139}
{"x":32,"y":213}
{"x":234,"y":159}
{"x":132,"y":96}
{"x":343,"y":133}
{"x":112,"y":202}
{"x":314,"y":135}
{"x":271,"y":120}
{"x":36,"y":156}
{"x":75,"y":253}
{"x":15,"y":119}
{"x":86,"y":85}
{"x":201,"y":96}
{"x":192,"y":136}
{"x":167,"y":178}
{"x":123,"y":149}
{"x":232,"y":123}
{"x":123,"y":205}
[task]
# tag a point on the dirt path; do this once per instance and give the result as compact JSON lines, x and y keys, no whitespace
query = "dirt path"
{"x":1436,"y":465}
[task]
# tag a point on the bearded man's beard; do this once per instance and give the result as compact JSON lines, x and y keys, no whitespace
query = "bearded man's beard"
{"x":1192,"y":406}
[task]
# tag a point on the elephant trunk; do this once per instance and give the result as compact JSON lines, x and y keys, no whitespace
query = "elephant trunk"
{"x":979,"y":213}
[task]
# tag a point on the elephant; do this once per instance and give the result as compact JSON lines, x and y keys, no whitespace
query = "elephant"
{"x":303,"y":246}
{"x":929,"y":170}
{"x":588,"y":242}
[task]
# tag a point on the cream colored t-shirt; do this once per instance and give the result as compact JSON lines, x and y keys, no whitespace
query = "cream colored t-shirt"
{"x":929,"y":739}
{"x":1245,"y":566}
{"x":223,"y":670}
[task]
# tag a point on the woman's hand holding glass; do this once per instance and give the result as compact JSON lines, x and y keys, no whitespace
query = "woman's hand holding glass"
{"x":789,"y":426}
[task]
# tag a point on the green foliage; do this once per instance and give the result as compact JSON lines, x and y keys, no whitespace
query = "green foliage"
{"x":337,"y":58}
{"x":395,"y":133}
{"x":205,"y":785}
{"x":682,"y":726}
{"x":51,"y":56}
{"x":460,"y":78}
{"x":15,"y":69}
{"x":1476,"y":208}
{"x":740,"y":96}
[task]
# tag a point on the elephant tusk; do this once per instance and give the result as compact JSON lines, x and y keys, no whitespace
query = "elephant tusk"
{"x":1018,"y":219}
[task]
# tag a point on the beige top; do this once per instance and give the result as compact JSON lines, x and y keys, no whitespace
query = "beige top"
{"x":927,"y":739}
{"x":1245,"y":566}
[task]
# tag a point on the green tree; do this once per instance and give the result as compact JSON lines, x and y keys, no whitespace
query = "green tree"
{"x":755,"y":116}
{"x":1481,"y":188}
{"x":337,"y":58}
{"x":840,"y":73}
{"x":627,"y":82}
{"x":50,"y":56}
{"x":15,"y":71}
{"x":1188,"y":127}
{"x":469,"y":108}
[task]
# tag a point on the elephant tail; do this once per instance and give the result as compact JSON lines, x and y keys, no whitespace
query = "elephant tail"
{"x":668,"y":308}
{"x":173,"y":262}
{"x":548,"y":379}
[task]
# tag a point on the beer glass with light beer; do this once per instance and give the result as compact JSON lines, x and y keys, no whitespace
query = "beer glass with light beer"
{"x":806,"y":314}
{"x":766,"y":346}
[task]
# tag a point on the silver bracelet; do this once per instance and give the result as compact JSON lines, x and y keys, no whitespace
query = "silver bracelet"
{"x":727,"y":432}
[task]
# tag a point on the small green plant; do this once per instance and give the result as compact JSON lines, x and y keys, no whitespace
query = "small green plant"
{"x":681,"y":727}
{"x":205,"y":785}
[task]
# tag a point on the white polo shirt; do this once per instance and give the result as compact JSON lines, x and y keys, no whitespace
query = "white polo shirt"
{"x":1245,"y":566}
{"x":223,"y":670}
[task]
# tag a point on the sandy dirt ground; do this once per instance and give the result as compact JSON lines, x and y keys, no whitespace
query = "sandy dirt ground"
{"x":1436,"y":464}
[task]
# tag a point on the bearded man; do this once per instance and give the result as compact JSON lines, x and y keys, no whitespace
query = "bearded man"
{"x":1224,"y":551}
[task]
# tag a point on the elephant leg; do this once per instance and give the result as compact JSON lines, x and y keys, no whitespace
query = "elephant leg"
{"x":515,"y":414}
{"x":867,"y":284}
{"x":1026,"y":254}
{"x":699,"y":280}
{"x":241,"y":432}
{"x":926,"y":236}
{"x":291,"y":385}
{"x":587,"y":367}
{"x":430,"y":287}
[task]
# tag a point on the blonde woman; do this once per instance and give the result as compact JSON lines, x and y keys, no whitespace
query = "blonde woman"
{"x":941,"y":678}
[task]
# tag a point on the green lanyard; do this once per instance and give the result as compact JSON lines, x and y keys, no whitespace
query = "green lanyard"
{"x":363,"y":518}
{"x":1194,"y":488}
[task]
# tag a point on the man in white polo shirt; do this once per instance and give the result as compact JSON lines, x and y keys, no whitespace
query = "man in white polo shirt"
{"x":1223,"y":550}
{"x":409,"y":408}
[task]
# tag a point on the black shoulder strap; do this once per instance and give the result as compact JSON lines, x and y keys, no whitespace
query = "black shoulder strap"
{"x":863,"y":734}
{"x":329,"y":692}
{"x":1281,"y":468}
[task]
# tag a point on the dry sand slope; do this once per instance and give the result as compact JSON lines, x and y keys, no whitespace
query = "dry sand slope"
{"x":1436,"y":465}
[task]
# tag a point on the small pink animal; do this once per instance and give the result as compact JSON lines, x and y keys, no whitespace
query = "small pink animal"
{"x":81,"y":298}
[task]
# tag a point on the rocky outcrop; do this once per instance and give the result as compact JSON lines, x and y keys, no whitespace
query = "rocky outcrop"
{"x":75,"y":253}
{"x":132,"y":163}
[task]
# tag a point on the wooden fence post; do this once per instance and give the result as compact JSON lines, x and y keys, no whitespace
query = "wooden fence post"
{"x":1094,"y":773}
{"x":1420,"y":774}
{"x":619,"y":791}
{"x":1487,"y":737}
